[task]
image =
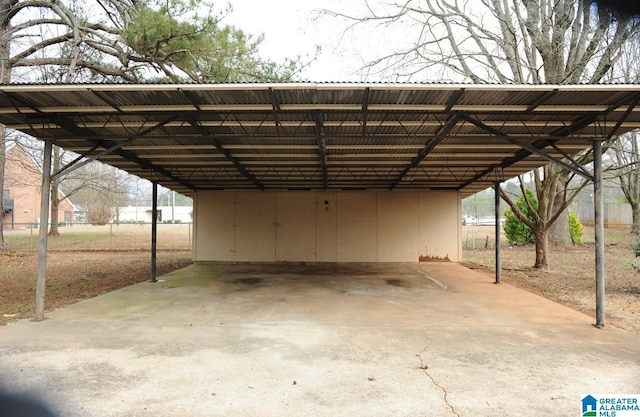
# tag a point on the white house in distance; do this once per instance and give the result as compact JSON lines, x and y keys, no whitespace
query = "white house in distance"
{"x":167,"y":214}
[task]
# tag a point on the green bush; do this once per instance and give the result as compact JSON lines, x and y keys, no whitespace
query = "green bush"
{"x":575,"y":228}
{"x":515,"y":230}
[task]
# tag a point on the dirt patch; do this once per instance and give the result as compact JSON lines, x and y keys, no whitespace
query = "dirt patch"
{"x":570,"y":280}
{"x":75,"y":276}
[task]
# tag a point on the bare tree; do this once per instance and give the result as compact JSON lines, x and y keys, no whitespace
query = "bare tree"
{"x":627,"y":157}
{"x":626,"y":149}
{"x":125,"y":40}
{"x":100,"y":190}
{"x":62,"y":187}
{"x":503,"y":41}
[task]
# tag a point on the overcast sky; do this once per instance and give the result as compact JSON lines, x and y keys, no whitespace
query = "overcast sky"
{"x":291,"y":29}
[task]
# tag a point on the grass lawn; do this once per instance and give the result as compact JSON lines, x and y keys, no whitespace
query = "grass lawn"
{"x":83,"y":262}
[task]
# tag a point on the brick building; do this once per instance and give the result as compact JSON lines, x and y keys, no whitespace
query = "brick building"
{"x":21,"y":197}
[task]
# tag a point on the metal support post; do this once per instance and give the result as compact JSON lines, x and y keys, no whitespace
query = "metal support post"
{"x":497,"y":230}
{"x":154,"y":232}
{"x":45,"y":197}
{"x":598,"y":208}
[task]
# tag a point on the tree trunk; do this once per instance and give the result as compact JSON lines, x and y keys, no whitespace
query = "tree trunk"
{"x":55,"y":194}
{"x":542,"y":248}
{"x":559,"y":233}
{"x":55,"y":203}
{"x":635,"y":216}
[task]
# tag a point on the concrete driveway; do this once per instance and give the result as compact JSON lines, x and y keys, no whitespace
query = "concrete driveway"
{"x":317,"y":340}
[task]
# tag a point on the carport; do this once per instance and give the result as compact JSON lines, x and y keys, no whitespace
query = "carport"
{"x":243,"y":150}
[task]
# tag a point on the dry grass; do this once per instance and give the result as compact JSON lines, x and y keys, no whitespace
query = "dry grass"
{"x":571,"y":276}
{"x":110,"y":237}
{"x":88,"y":261}
{"x":81,"y":265}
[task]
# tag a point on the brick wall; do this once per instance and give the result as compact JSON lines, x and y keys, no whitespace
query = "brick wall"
{"x":23,"y":180}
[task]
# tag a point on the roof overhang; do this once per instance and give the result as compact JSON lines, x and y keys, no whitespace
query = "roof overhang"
{"x":308,"y":136}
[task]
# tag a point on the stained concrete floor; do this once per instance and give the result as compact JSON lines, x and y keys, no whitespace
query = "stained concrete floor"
{"x":317,"y":340}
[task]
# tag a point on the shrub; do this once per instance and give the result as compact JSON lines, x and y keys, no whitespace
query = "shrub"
{"x":575,"y":228}
{"x":515,"y":230}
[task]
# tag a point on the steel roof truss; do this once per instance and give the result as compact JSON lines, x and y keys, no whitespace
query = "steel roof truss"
{"x":275,"y":103}
{"x":239,"y":166}
{"x":193,"y":98}
{"x":541,"y":99}
{"x":264,"y":122}
{"x":14,"y":97}
{"x":453,"y":100}
{"x":573,"y":167}
{"x":630,"y":108}
{"x":111,"y":148}
{"x":588,"y":119}
{"x":322,"y":148}
{"x":365,"y":110}
{"x":102,"y":96}
{"x":76,"y":164}
{"x":428,"y":147}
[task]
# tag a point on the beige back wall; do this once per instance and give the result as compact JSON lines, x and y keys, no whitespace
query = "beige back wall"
{"x":326,"y":226}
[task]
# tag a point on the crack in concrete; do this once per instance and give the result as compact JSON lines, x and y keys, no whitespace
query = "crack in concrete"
{"x":425,"y":369}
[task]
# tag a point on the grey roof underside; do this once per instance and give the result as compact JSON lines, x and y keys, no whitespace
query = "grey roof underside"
{"x":322,"y":136}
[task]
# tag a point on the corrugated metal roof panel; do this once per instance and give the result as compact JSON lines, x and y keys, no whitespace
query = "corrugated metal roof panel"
{"x":317,"y":135}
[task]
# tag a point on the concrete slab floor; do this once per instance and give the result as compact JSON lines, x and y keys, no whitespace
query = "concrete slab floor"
{"x":317,"y":340}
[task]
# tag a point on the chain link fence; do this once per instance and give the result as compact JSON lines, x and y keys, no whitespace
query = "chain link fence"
{"x":109,"y":237}
{"x":480,"y":237}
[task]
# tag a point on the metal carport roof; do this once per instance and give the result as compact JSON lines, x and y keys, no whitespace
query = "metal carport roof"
{"x":325,"y":136}
{"x":322,"y":136}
